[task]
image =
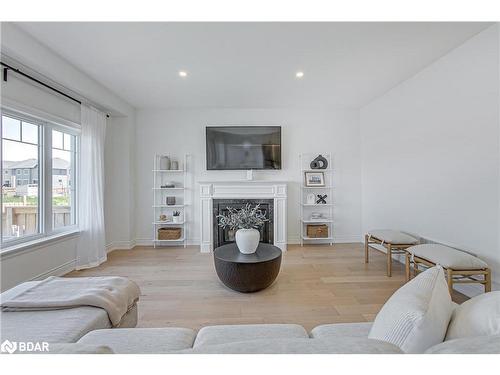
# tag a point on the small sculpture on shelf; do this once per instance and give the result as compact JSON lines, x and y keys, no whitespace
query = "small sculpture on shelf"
{"x":319,"y":162}
{"x":321,"y":199}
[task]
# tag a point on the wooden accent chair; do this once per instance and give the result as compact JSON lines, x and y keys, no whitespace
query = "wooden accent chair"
{"x":460,"y":267}
{"x":395,"y":242}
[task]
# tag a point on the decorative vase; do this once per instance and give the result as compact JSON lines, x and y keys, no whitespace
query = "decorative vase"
{"x":311,"y":198}
{"x":247,"y":240}
{"x":174,"y":165}
{"x":164,"y":163}
{"x":176,"y":219}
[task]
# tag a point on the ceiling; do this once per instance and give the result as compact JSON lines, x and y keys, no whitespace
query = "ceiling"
{"x":252,"y":65}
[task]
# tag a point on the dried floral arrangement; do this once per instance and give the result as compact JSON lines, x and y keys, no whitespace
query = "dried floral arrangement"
{"x":243,"y":218}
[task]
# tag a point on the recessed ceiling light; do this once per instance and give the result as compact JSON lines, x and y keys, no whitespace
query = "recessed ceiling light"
{"x":182,"y":74}
{"x":299,"y":74}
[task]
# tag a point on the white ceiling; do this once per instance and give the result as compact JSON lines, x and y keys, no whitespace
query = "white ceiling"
{"x":251,"y":64}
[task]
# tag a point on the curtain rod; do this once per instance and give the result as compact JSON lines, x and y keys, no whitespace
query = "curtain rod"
{"x":8,"y":67}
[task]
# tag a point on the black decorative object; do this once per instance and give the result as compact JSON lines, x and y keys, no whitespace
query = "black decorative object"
{"x":321,"y":199}
{"x":247,"y":273}
{"x":319,"y":163}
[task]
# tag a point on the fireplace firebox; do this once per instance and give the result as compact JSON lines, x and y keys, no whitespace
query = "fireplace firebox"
{"x":224,"y":236}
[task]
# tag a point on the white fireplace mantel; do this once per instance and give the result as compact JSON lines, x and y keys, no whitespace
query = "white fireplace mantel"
{"x":242,"y":190}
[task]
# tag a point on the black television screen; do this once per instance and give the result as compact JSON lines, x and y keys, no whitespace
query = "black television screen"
{"x":243,"y":147}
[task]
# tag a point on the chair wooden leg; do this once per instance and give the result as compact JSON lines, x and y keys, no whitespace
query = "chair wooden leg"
{"x":415,"y":268}
{"x":449,"y":277}
{"x":487,"y":278}
{"x":366,"y":248}
{"x":389,"y":260}
{"x":407,"y":266}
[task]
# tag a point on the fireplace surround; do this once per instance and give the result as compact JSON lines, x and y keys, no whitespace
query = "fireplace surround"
{"x":217,"y":195}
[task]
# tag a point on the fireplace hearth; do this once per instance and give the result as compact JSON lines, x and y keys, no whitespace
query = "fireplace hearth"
{"x":222,"y":236}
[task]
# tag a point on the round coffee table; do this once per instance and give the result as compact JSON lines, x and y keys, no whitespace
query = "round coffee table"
{"x":247,"y":272}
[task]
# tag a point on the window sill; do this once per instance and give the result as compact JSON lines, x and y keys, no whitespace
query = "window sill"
{"x":38,"y":243}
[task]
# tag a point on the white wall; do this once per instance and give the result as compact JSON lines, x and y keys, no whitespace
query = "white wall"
{"x":119,"y":200}
{"x":58,"y":258}
{"x":177,"y":132}
{"x":430,"y":152}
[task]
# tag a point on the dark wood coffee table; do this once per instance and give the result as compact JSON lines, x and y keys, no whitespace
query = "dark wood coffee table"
{"x":247,"y":272}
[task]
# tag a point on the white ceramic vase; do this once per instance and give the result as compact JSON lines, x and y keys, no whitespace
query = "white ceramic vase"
{"x":176,"y":219}
{"x":247,"y":240}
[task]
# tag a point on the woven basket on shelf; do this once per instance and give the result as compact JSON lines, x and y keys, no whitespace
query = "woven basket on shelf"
{"x":317,"y":231}
{"x":169,"y":233}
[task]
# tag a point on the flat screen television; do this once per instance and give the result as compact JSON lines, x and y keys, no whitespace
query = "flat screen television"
{"x":243,"y":147}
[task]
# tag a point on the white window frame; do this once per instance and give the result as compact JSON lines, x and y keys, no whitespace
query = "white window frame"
{"x":45,"y":227}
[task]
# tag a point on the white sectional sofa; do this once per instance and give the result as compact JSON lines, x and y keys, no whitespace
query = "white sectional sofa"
{"x":344,"y":338}
{"x":419,"y":318}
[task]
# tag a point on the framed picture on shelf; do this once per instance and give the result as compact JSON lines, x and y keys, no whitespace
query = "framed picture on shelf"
{"x":313,"y":179}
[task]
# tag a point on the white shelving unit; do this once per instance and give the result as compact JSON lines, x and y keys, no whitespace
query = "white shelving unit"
{"x":180,"y":192}
{"x":307,"y":209}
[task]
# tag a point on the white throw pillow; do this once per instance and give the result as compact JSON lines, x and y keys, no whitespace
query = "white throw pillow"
{"x":479,"y":316}
{"x":417,"y":314}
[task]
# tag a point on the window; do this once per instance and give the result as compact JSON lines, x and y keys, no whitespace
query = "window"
{"x":20,"y":205}
{"x":38,"y":198}
{"x":63,"y":159}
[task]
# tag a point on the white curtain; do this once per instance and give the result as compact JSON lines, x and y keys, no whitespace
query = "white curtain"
{"x":91,"y":249}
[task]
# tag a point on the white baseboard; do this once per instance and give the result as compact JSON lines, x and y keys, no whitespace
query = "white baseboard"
{"x":336,"y":239}
{"x":61,"y":270}
{"x":120,"y":245}
{"x":291,"y":241}
{"x":149,"y":242}
{"x":348,"y":239}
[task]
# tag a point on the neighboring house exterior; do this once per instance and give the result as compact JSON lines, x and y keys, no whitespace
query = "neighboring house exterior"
{"x":21,"y":174}
{"x":7,"y":173}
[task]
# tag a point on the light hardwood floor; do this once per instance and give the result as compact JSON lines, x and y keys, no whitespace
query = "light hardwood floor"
{"x":316,"y":285}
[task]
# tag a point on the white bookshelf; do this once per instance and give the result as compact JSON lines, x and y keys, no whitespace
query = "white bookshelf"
{"x":306,"y":209}
{"x":180,"y":192}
